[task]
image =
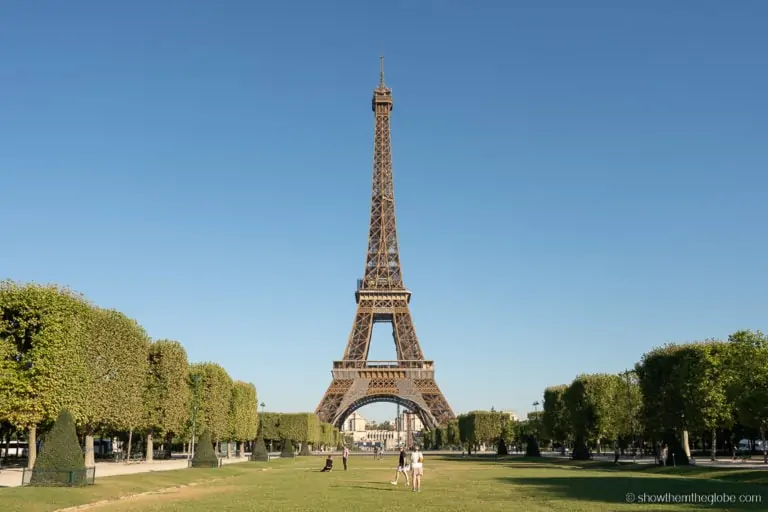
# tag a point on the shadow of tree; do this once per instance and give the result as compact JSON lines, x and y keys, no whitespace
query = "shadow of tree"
{"x":648,"y":491}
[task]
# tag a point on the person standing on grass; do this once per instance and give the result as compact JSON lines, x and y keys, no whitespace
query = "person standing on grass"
{"x":344,"y":456}
{"x":417,"y":466}
{"x":401,"y":468}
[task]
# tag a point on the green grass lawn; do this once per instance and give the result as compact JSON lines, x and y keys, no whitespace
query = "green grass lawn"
{"x":449,"y":484}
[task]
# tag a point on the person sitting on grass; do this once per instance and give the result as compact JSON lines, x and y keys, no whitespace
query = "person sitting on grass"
{"x":328,"y":464}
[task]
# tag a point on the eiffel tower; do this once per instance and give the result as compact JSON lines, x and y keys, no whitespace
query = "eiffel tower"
{"x":381,"y":296}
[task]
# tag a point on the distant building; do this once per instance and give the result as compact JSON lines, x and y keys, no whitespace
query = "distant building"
{"x":366,"y":437}
{"x":511,"y":414}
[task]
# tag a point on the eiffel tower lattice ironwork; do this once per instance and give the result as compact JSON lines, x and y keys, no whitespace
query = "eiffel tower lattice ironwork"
{"x":382,"y":297}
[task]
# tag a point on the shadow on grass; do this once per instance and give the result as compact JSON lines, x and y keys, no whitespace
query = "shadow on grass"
{"x":372,"y":486}
{"x":648,"y":491}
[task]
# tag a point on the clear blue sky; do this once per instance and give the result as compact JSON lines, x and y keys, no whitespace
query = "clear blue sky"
{"x":573,"y":185}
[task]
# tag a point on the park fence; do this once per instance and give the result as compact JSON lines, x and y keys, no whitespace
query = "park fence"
{"x":58,"y":477}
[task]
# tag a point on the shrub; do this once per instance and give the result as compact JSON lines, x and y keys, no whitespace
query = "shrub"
{"x":259,"y":452}
{"x":61,"y":460}
{"x":287,"y":451}
{"x":502,"y":448}
{"x":205,"y":456}
{"x":532,"y":447}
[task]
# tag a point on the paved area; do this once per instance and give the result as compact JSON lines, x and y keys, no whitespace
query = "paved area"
{"x":11,"y":477}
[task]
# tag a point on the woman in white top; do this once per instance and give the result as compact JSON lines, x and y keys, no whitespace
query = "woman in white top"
{"x":417,"y":467}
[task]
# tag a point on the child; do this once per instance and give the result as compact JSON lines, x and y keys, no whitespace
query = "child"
{"x":328,"y":464}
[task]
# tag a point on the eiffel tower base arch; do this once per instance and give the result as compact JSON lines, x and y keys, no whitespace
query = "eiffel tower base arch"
{"x":408,"y":383}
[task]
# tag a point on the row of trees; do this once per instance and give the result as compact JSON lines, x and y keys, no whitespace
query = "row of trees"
{"x":58,"y":351}
{"x":305,"y":429}
{"x":484,"y":428}
{"x":709,"y":394}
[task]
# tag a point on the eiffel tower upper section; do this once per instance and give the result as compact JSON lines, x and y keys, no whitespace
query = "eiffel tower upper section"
{"x":382,"y":263}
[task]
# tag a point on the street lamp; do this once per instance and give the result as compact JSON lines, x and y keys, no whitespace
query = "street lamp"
{"x":196,"y":379}
{"x":630,"y":433}
{"x":536,"y":417}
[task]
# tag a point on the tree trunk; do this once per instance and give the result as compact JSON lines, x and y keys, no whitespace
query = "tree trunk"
{"x":597,"y":446}
{"x":130,"y":441}
{"x":168,"y":445}
{"x":7,"y":444}
{"x":229,"y":450}
{"x":240,"y":449}
{"x":686,"y":447}
{"x":32,"y":450}
{"x":150,"y":447}
{"x":765,"y":453}
{"x":714,"y":445}
{"x":90,"y":459}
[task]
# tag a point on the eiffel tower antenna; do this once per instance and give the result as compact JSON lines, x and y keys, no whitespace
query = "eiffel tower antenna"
{"x":381,"y":296}
{"x":381,"y":73}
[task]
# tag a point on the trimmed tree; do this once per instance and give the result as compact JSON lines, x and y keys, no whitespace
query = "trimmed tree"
{"x":214,"y":398}
{"x":205,"y":456}
{"x":299,"y":427}
{"x":117,"y":368}
{"x":243,"y":414}
{"x":61,"y":460}
{"x":287,"y":451}
{"x":554,"y":418}
{"x":167,"y":394}
{"x":501,"y":449}
{"x":259,"y":452}
{"x":44,"y":338}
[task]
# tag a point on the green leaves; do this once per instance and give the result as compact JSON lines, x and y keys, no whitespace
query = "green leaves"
{"x":118,"y":365}
{"x":214,"y":397}
{"x":167,"y":394}
{"x":243,"y":412}
{"x":44,"y":339}
{"x":480,"y":427}
{"x":60,"y":455}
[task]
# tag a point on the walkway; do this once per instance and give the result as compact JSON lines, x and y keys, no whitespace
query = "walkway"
{"x":11,"y":477}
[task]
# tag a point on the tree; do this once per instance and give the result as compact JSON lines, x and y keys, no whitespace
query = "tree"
{"x":685,"y":387}
{"x":479,"y":427}
{"x":205,"y":455}
{"x":44,"y":333}
{"x":214,"y":396}
{"x":749,"y":390}
{"x":287,"y":450}
{"x":243,"y":413}
{"x":118,"y":365}
{"x":453,"y":437}
{"x":61,"y":460}
{"x":299,"y":427}
{"x":554,"y":418}
{"x":501,"y":449}
{"x":167,"y":396}
{"x":594,"y":415}
{"x":259,"y":452}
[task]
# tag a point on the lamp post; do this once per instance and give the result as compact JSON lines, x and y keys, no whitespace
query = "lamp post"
{"x":196,"y":379}
{"x":536,"y":417}
{"x":630,"y":433}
